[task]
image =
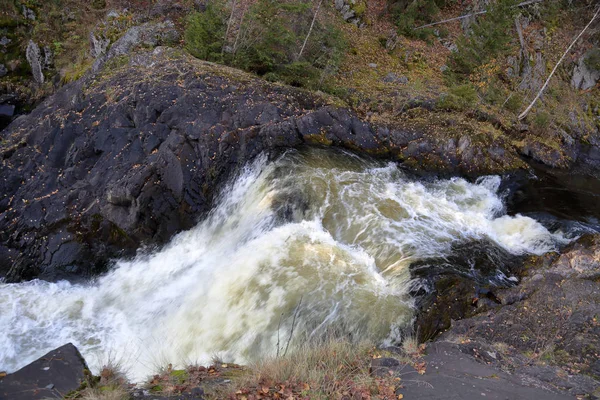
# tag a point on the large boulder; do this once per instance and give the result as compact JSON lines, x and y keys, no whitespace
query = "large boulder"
{"x":53,"y":375}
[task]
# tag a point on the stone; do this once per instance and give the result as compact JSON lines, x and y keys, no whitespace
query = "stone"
{"x":34,"y":58}
{"x":48,"y":57}
{"x":149,"y":34}
{"x":51,"y":376}
{"x":28,"y":13}
{"x":393,"y":78}
{"x":372,"y":65}
{"x":3,"y":70}
{"x":98,"y":46}
{"x":584,"y":77}
{"x":386,"y":366}
{"x":339,"y":4}
{"x":4,"y":41}
{"x":348,"y":15}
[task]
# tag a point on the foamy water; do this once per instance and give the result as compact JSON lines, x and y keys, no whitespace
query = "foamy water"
{"x":328,"y":233}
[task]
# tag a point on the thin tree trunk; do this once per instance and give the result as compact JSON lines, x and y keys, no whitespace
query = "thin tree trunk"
{"x":228,"y":26}
{"x":310,"y":30}
{"x":525,"y":3}
{"x":524,"y":113}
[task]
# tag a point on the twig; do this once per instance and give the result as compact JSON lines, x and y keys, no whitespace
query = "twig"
{"x":293,"y":326}
{"x":525,"y":3}
{"x":312,"y":24}
{"x":278,"y":327}
{"x":524,"y":113}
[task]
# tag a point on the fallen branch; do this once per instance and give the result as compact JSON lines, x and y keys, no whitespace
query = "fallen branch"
{"x":525,"y":3}
{"x":524,"y":113}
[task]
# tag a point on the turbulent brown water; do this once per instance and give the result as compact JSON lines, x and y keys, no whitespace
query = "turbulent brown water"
{"x":329,"y":234}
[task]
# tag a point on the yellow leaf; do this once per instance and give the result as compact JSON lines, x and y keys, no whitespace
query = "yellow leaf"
{"x":400,"y":396}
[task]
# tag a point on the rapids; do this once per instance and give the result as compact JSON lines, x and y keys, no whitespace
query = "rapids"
{"x":325,"y":234}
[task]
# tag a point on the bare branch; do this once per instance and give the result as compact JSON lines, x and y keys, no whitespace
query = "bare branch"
{"x":525,"y":3}
{"x":229,"y":25}
{"x":312,"y":25}
{"x":293,"y":326}
{"x":524,"y":113}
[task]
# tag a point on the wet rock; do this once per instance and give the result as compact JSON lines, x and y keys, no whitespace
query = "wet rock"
{"x":34,"y":57}
{"x":51,"y":376}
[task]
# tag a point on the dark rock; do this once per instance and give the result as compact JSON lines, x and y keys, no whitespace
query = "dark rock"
{"x":52,"y":376}
{"x":546,"y":331}
{"x":451,"y":374}
{"x":387,"y":366}
{"x":3,"y":70}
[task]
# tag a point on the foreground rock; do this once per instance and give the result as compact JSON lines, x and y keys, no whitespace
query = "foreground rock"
{"x":52,"y":376}
{"x":545,"y":332}
{"x":134,"y":155}
{"x":450,"y":374}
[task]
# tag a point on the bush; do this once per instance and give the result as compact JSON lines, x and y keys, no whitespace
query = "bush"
{"x":489,"y":37}
{"x":541,"y":121}
{"x":408,"y":14}
{"x":205,"y":33}
{"x":459,"y":98}
{"x":514,"y":103}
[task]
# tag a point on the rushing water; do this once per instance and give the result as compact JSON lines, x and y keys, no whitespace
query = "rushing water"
{"x":327,"y":234}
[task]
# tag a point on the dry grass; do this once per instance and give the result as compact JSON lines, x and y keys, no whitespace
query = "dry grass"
{"x":330,"y":369}
{"x":112,"y":384}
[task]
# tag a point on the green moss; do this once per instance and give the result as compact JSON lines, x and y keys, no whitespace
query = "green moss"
{"x":179,"y":375}
{"x":318,"y":139}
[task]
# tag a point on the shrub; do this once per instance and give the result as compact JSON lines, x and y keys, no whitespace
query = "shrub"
{"x":514,"y":103}
{"x":408,"y":14}
{"x":489,"y":37}
{"x":458,"y":98}
{"x":541,"y":121}
{"x":205,"y":33}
